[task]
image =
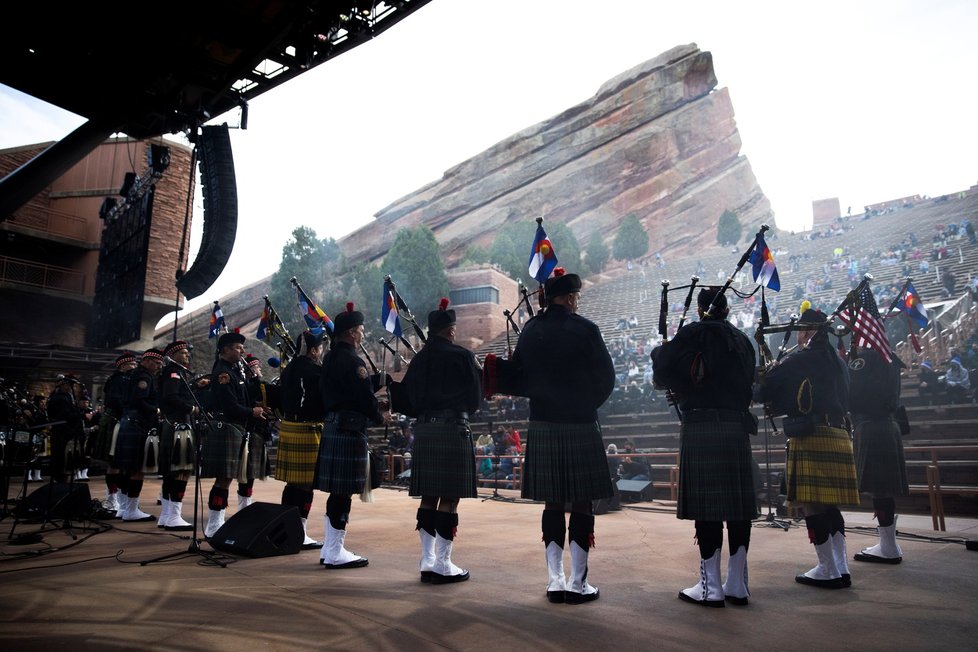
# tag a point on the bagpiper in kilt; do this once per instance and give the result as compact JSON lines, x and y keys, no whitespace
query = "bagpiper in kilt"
{"x":709,"y":366}
{"x":350,"y":405}
{"x":224,"y":441}
{"x":114,"y":392}
{"x":255,"y":463}
{"x":441,"y":387}
{"x":811,"y":387}
{"x":562,"y":365}
{"x":301,"y":428}
{"x":178,"y":450}
{"x":68,"y":434}
{"x":874,"y":395}
{"x":137,"y":444}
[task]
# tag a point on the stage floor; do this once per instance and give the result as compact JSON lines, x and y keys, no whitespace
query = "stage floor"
{"x":95,"y":595}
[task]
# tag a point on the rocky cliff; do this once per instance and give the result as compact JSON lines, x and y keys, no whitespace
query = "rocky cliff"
{"x":659,"y":141}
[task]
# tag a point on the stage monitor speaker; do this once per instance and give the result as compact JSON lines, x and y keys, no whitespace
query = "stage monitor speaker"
{"x":57,"y":500}
{"x":261,"y":530}
{"x":220,"y":189}
{"x":635,"y":490}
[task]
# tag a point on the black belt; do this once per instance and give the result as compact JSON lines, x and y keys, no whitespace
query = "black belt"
{"x":443,"y":416}
{"x":829,"y":420}
{"x":295,"y":418}
{"x":725,"y":416}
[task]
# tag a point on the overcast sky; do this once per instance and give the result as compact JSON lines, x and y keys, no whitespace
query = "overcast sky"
{"x":863,"y":101}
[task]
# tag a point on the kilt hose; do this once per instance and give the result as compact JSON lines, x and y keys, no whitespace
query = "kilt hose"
{"x":103,"y":438}
{"x":130,"y":445}
{"x":298,"y":449}
{"x":820,"y":468}
{"x":442,"y":461}
{"x":565,"y":462}
{"x":178,"y":448}
{"x":716,"y":473}
{"x":258,"y":464}
{"x":341,"y":466}
{"x":880,"y":463}
{"x":222,"y":451}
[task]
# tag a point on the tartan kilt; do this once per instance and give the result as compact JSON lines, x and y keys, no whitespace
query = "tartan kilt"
{"x":443,"y":461}
{"x":341,"y":466}
{"x":130,"y":446}
{"x":716,"y":473}
{"x":103,"y":438}
{"x":181,"y":459}
{"x":821,"y":468}
{"x":222,"y":450}
{"x":258,"y":464}
{"x":880,"y":463}
{"x":298,"y":449}
{"x":565,"y":462}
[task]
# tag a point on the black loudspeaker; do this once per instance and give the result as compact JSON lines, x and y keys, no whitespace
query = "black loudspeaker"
{"x":57,"y":500}
{"x":261,"y":530}
{"x":220,"y":190}
{"x":635,"y":490}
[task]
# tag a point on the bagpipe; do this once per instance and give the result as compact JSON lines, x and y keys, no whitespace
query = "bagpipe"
{"x":286,"y":345}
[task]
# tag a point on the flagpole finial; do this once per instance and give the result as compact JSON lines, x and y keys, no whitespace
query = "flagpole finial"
{"x":867,"y":276}
{"x":293,"y":280}
{"x":765,"y":227}
{"x":665,"y":283}
{"x":539,"y":220}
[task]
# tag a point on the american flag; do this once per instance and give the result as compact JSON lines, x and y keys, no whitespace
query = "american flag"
{"x":868,"y":327}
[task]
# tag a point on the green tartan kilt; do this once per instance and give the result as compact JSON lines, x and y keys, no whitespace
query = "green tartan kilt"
{"x":103,"y":438}
{"x":341,"y":467}
{"x":258,"y":464}
{"x":442,"y":461}
{"x":821,"y":468}
{"x":565,"y":462}
{"x":716,"y":481}
{"x":880,"y":463}
{"x":177,"y":448}
{"x":298,"y":448}
{"x":222,"y":451}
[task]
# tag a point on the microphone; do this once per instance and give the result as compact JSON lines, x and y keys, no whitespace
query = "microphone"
{"x":274,"y":363}
{"x":168,"y":360}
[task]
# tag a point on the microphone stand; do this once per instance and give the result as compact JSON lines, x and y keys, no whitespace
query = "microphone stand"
{"x":194,"y":547}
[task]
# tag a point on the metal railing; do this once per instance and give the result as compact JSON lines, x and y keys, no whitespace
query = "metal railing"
{"x":48,"y":277}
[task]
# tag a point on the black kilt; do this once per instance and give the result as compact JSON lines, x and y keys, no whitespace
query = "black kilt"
{"x":103,"y":438}
{"x":130,"y":445}
{"x":716,"y":473}
{"x":171,"y":460}
{"x":565,"y":462}
{"x":442,"y":461}
{"x":222,"y":450}
{"x":880,"y":463}
{"x":341,"y":467}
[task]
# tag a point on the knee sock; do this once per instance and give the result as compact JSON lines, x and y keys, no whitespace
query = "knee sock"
{"x":819,"y":526}
{"x":177,"y":490}
{"x":297,"y":496}
{"x":246,"y":488}
{"x":112,"y":482}
{"x":709,"y":537}
{"x":134,"y":488}
{"x":446,"y":525}
{"x":885,"y":509}
{"x":837,"y":522}
{"x":738,"y":534}
{"x":338,"y":510}
{"x":554,"y":527}
{"x":581,"y":530}
{"x":218,"y":499}
{"x":165,"y":488}
{"x":426,"y":521}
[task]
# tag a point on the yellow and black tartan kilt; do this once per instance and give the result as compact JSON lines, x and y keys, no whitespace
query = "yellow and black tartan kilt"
{"x":821,"y":469}
{"x":716,"y":481}
{"x":103,"y":438}
{"x":565,"y":462}
{"x":298,"y":448}
{"x":222,"y":451}
{"x":442,"y":461}
{"x":341,"y":467}
{"x":880,"y":463}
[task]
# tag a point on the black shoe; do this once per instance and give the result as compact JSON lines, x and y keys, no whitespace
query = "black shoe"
{"x":437,"y":578}
{"x":314,"y":545}
{"x":861,"y":556}
{"x":426,"y":577}
{"x":732,"y":599}
{"x":356,"y":563}
{"x":178,"y":528}
{"x":572,"y":597}
{"x":703,"y":603}
{"x":836,"y":583}
{"x":145,"y":519}
{"x":846,"y":580}
{"x":556,"y":597}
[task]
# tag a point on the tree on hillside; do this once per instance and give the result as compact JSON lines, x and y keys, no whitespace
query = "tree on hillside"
{"x":631,"y":241}
{"x":414,"y":263}
{"x":474,"y":255}
{"x":729,"y":228}
{"x":315,"y":262}
{"x":598,"y":254}
{"x":511,"y":248}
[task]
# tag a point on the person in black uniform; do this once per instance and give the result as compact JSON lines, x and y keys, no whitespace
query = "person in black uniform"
{"x":258,"y":466}
{"x":811,"y":387}
{"x":709,"y":365}
{"x":874,"y":396}
{"x":114,"y":395}
{"x":563,"y":366}
{"x":67,"y":437}
{"x":177,"y":447}
{"x":350,"y":405}
{"x":140,"y":419}
{"x":301,"y":428}
{"x":442,"y":388}
{"x":233,"y":407}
